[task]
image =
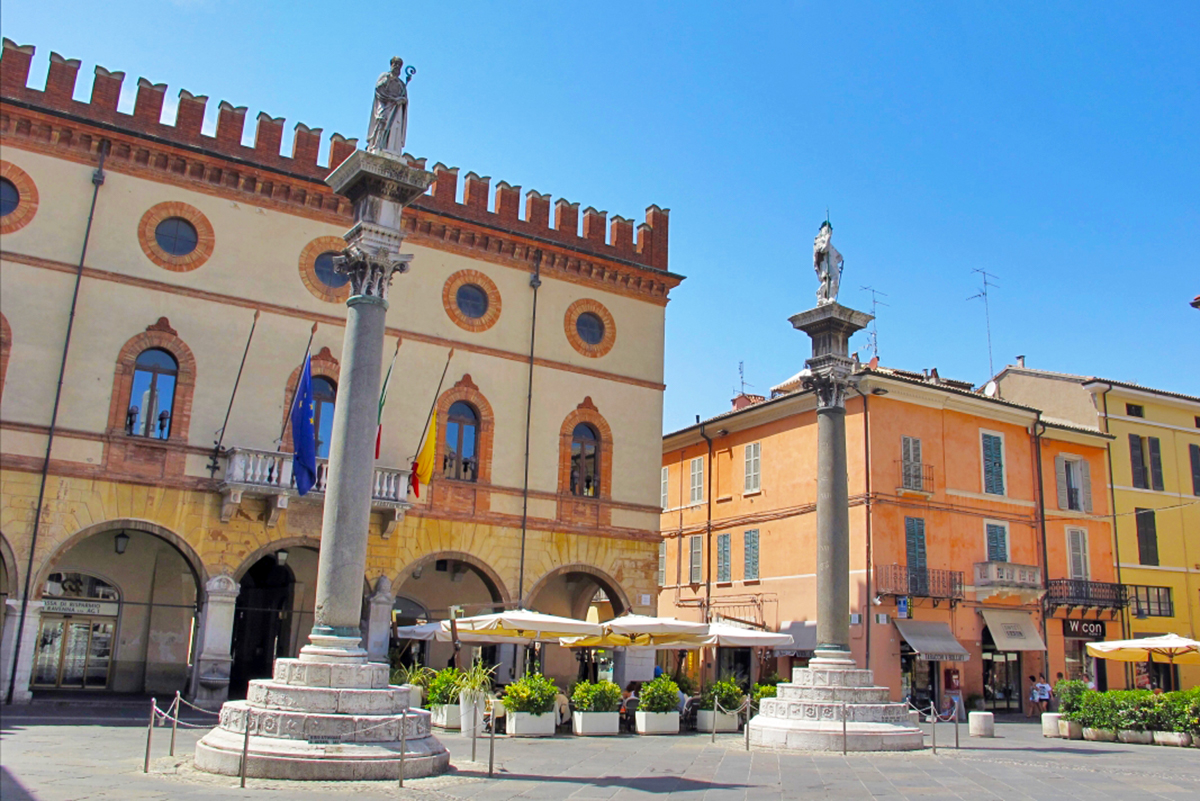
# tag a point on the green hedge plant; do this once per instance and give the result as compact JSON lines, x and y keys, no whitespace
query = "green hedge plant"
{"x":726,"y":692}
{"x":532,"y":693}
{"x":660,"y":695}
{"x":416,"y":674}
{"x":761,"y":691}
{"x":1069,"y":693}
{"x":603,"y":696}
{"x":443,"y":687}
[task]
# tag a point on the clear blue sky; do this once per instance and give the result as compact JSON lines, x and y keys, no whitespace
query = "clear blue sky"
{"x":1055,"y":145}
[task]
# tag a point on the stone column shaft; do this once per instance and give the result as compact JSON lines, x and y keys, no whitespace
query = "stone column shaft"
{"x":833,"y":532}
{"x":347,"y":514}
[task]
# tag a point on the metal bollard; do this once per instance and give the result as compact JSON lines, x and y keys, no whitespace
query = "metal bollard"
{"x":492,"y":744}
{"x":747,"y":729}
{"x":716,"y":711}
{"x":934,"y":718}
{"x":245,"y":748}
{"x":474,"y":726}
{"x":956,"y":729}
{"x":150,"y":734}
{"x":843,"y":729}
{"x":175,"y":723}
{"x":403,"y":741}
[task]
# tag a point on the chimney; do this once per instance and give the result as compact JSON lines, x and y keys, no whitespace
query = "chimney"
{"x":1021,"y":360}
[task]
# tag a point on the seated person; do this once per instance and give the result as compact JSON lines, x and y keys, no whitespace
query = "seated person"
{"x":562,"y":709}
{"x":683,"y":700}
{"x":630,"y":693}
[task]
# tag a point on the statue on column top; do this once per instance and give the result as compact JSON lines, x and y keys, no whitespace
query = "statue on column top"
{"x":828,"y":264}
{"x":389,"y":114}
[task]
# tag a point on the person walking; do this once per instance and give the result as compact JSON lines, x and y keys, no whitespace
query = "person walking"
{"x":1034,"y":697}
{"x":1045,"y":691}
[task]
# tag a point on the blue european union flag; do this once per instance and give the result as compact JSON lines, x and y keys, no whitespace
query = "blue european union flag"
{"x":304,"y":433}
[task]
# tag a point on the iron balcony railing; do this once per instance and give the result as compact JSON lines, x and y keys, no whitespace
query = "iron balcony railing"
{"x":921,"y":582}
{"x":1078,"y":592}
{"x":915,"y":476}
{"x":1008,"y":574}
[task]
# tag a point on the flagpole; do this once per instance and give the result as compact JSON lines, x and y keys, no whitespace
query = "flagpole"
{"x":433,"y":406}
{"x":387,"y":382}
{"x":213,"y":466}
{"x":288,"y":414}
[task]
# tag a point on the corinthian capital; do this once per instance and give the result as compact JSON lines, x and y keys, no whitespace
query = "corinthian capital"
{"x":370,"y":273}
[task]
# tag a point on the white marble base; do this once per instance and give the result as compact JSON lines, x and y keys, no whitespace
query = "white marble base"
{"x":323,"y":720}
{"x":806,"y":715}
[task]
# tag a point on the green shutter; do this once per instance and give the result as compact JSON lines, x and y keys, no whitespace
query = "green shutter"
{"x":723,"y":571}
{"x":1156,"y":474}
{"x":993,"y":465}
{"x":1137,"y":462}
{"x":751,"y":555}
{"x":997,"y":543}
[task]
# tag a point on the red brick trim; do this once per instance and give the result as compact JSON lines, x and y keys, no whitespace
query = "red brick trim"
{"x":205,"y":238}
{"x":5,"y":349}
{"x":138,"y":455}
{"x":610,"y":327}
{"x":308,"y":269}
{"x":450,"y":301}
{"x":464,"y":496}
{"x":576,"y":508}
{"x":28,"y":194}
{"x":323,"y":364}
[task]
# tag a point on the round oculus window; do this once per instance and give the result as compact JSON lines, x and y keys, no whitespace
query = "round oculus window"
{"x":10,"y":198}
{"x":590,"y":328}
{"x":176,"y":236}
{"x":330,"y":277}
{"x":471,"y":301}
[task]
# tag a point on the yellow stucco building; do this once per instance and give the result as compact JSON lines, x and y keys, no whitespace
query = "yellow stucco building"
{"x":135,"y":554}
{"x":1154,"y":460}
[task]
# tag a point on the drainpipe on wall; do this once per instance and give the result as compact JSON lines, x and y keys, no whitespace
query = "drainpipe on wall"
{"x":708,"y":480}
{"x":97,"y":182}
{"x":1038,"y":429}
{"x":867,"y":607}
{"x":1116,"y":540}
{"x":535,"y":281}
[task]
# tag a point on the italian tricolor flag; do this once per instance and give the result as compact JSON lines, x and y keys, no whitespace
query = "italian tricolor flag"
{"x":387,"y":380}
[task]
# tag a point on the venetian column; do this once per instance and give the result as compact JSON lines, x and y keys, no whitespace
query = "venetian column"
{"x":832,"y":704}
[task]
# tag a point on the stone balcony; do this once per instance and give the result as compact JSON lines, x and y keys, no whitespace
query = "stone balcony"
{"x":1007,"y":578}
{"x":268,"y":474}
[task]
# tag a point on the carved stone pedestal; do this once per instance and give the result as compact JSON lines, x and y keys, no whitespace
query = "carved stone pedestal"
{"x":807,"y":714}
{"x":323,"y":717}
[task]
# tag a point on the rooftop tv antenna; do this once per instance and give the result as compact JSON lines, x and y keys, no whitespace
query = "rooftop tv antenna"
{"x":987,"y":316}
{"x":742,"y":377}
{"x":873,"y":331}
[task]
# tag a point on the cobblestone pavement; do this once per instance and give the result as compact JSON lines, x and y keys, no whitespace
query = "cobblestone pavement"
{"x":66,"y":753}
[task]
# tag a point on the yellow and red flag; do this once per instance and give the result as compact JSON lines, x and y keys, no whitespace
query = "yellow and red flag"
{"x":422,"y":469}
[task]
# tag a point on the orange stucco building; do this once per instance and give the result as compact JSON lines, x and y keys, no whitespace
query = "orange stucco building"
{"x":963,"y":565}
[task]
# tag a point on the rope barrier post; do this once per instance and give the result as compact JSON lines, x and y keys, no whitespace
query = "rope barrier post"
{"x":956,"y":728}
{"x":747,"y":728}
{"x":934,"y":717}
{"x":716,"y":711}
{"x":403,"y":742}
{"x":492,"y":743}
{"x":150,"y":733}
{"x":843,"y":729}
{"x":175,"y":723}
{"x":475,"y":721}
{"x":246,"y":747}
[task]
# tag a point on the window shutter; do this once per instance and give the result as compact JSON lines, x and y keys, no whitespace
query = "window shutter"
{"x":993,"y":465}
{"x":1156,"y":474}
{"x":1194,"y":452}
{"x":1085,"y":485}
{"x":662,"y":563}
{"x":914,"y":533}
{"x":1137,"y":462}
{"x":723,"y":571}
{"x":1147,"y":534}
{"x":997,"y":545}
{"x":694,"y":563}
{"x":666,"y":476}
{"x":1077,"y":539}
{"x":1060,"y":475}
{"x":751,"y":554}
{"x":911,"y":449}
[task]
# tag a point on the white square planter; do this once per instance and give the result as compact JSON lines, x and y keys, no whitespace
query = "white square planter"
{"x":656,"y":722}
{"x":1050,"y":724}
{"x":470,"y":715}
{"x":1177,"y":738}
{"x":587,"y":724}
{"x":725,"y":721}
{"x":527,"y":724}
{"x":445,"y":716}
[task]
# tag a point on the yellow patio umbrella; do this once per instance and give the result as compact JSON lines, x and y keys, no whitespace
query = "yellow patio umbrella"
{"x":1168,"y":648}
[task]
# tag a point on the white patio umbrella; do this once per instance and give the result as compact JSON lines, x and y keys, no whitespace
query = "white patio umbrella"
{"x":1169,"y":648}
{"x":727,"y":636}
{"x":633,"y":625}
{"x":519,"y":624}
{"x":644,"y":631}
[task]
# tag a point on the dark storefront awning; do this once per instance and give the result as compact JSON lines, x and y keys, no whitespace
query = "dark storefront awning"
{"x":804,"y":638}
{"x":933,"y":640}
{"x":1013,"y":630}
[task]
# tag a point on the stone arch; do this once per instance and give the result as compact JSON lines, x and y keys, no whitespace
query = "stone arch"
{"x":324,"y":364}
{"x":606,"y":582}
{"x":12,"y":569}
{"x":193,"y":560}
{"x":270,"y":548}
{"x":466,"y":390}
{"x":490,"y":577}
{"x":159,"y":335}
{"x":585,"y":412}
{"x":5,"y":349}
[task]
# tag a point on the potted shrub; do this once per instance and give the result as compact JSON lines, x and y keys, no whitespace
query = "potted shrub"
{"x":416,"y":677}
{"x":759,"y":692}
{"x":473,"y":686}
{"x":596,"y":708}
{"x":1069,"y":694}
{"x":1097,"y":716}
{"x":1168,"y":719}
{"x":529,"y":706}
{"x":975,"y":702}
{"x":728,"y":696}
{"x":1131,"y":715}
{"x":658,"y":709}
{"x":443,"y":699}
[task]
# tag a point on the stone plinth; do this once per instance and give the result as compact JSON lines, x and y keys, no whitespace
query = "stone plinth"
{"x":324,"y":721}
{"x":806,"y":715}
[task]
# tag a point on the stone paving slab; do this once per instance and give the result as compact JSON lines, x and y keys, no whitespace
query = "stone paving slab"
{"x":94,"y":755}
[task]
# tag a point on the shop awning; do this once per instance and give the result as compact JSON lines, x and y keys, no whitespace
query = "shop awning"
{"x":1013,"y":630}
{"x":804,"y":638}
{"x":933,"y":640}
